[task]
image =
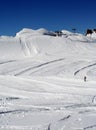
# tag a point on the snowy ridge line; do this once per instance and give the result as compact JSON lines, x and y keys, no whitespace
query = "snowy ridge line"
{"x":42,"y":81}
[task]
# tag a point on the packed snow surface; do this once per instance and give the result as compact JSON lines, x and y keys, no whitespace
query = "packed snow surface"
{"x":42,"y":83}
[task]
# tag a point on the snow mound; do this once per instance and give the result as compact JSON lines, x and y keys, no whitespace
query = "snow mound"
{"x":42,"y":81}
{"x":30,"y":32}
{"x":29,"y":43}
{"x":66,"y":32}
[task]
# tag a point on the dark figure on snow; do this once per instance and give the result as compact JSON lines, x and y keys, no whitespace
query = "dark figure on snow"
{"x":85,"y":78}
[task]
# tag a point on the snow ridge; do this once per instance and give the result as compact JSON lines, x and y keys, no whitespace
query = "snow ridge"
{"x":42,"y":83}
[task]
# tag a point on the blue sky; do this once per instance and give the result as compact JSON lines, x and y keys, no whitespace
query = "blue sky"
{"x":50,"y":14}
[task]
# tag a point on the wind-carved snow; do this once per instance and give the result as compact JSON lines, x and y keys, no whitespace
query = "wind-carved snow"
{"x":42,"y":81}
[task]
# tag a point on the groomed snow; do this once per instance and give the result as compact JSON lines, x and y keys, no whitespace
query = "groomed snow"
{"x":42,"y":81}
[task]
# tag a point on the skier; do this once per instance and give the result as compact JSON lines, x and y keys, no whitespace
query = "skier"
{"x":85,"y":78}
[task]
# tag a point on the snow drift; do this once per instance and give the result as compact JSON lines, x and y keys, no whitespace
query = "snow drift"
{"x":28,"y":43}
{"x":42,"y":81}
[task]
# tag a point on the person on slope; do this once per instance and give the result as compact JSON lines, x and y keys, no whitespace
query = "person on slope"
{"x":85,"y":78}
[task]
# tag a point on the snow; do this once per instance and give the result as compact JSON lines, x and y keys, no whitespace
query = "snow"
{"x":42,"y":81}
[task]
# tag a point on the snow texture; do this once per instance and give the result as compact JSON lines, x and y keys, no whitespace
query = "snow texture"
{"x":42,"y":83}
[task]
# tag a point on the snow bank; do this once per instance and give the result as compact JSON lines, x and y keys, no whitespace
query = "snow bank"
{"x":42,"y":81}
{"x":29,"y":43}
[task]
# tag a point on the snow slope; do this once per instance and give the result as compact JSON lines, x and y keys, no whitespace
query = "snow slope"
{"x":42,"y":81}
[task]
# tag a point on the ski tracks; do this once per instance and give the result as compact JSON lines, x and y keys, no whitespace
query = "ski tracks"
{"x":58,"y":125}
{"x":83,"y":68}
{"x":38,"y":66}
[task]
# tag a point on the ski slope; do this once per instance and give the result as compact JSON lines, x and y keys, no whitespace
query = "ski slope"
{"x":42,"y":81}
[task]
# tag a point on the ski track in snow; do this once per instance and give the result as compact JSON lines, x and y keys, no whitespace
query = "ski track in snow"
{"x":57,"y":124}
{"x":38,"y":66}
{"x":6,"y":62}
{"x":41,"y":86}
{"x":81,"y":69}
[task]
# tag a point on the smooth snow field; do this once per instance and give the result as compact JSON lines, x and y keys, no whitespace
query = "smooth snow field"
{"x":42,"y":83}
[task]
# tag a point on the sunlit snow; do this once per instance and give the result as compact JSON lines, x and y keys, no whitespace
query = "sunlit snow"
{"x":42,"y":83}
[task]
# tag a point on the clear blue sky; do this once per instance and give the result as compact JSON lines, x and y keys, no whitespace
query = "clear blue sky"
{"x":50,"y":14}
